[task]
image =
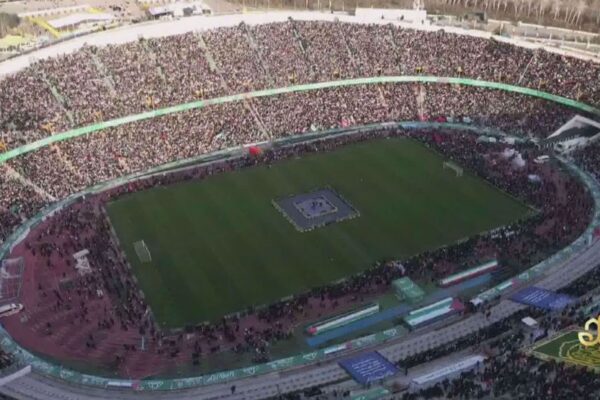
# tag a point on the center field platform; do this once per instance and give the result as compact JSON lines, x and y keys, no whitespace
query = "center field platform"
{"x":253,"y":236}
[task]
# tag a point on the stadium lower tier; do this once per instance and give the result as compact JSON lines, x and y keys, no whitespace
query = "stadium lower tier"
{"x":204,"y":291}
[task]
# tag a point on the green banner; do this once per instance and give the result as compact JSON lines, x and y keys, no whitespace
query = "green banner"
{"x":406,"y":288}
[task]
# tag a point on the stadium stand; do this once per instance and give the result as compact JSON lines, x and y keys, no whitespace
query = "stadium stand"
{"x":99,"y":83}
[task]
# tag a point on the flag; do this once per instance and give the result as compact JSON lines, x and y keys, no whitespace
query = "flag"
{"x":254,"y":151}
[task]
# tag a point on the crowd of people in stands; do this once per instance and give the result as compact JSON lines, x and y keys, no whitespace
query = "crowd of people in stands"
{"x":85,"y":226}
{"x":97,"y":84}
{"x":65,"y":168}
{"x":512,"y":374}
{"x":509,"y":372}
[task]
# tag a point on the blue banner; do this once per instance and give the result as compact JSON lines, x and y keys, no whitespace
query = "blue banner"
{"x":368,"y":367}
{"x":542,"y":298}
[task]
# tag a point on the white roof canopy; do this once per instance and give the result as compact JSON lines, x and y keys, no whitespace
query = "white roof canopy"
{"x":76,"y":19}
{"x":532,"y":323}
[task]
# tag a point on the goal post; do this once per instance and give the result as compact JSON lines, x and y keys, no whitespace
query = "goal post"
{"x":11,"y":279}
{"x":142,"y":251}
{"x":452,"y":166}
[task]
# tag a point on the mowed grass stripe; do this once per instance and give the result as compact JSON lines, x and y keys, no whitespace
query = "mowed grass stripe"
{"x":325,"y":242}
{"x":282,"y":250}
{"x":174,"y":286}
{"x":413,"y":224}
{"x":198,"y":283}
{"x":218,"y":245}
{"x":250,"y":231}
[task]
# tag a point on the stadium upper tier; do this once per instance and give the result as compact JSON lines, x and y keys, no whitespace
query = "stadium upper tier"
{"x":95,"y":83}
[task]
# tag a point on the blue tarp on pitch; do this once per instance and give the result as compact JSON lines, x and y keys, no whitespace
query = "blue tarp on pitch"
{"x":368,"y":367}
{"x":542,"y":298}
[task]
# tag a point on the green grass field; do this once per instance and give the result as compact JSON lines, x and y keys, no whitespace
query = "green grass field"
{"x":566,"y":348}
{"x":219,"y":245}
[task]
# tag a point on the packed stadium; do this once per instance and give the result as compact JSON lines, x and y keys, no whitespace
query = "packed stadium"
{"x":299,"y":205}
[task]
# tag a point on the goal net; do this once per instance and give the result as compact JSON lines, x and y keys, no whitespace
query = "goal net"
{"x":11,"y":279}
{"x":142,"y":251}
{"x":450,"y":165}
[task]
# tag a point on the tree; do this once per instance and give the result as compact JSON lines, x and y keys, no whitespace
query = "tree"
{"x":570,"y":13}
{"x":542,"y":6}
{"x":556,"y":8}
{"x":517,"y":4}
{"x":7,"y":22}
{"x":529,"y":5}
{"x":580,"y":8}
{"x":596,"y":6}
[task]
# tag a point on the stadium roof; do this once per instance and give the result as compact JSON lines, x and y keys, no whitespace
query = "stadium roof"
{"x":178,"y":9}
{"x":76,"y":19}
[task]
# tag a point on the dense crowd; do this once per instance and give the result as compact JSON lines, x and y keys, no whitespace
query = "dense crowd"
{"x":515,"y":375}
{"x":96,"y":84}
{"x":85,"y":226}
{"x":509,"y":372}
{"x":65,"y":168}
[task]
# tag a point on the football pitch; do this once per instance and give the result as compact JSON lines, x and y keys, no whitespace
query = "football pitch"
{"x":567,"y":348}
{"x":220,"y":244}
